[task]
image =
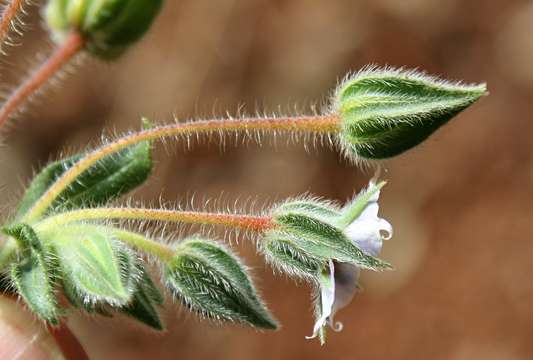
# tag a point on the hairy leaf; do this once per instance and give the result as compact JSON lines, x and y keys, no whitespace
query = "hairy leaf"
{"x":77,"y":301}
{"x":42,"y":181}
{"x":211,"y":281}
{"x":111,"y":177}
{"x":93,"y":263}
{"x":34,"y":283}
{"x":24,"y":235}
{"x":143,"y":306}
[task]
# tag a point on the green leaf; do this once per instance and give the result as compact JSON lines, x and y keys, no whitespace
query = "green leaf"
{"x":211,"y":281}
{"x":143,"y":305}
{"x":42,"y":181}
{"x":93,"y":263}
{"x":142,"y":309}
{"x":34,"y":283}
{"x":77,"y":301}
{"x":111,"y":177}
{"x":385,"y":112}
{"x":149,"y":288}
{"x":24,"y":235}
{"x":323,"y":241}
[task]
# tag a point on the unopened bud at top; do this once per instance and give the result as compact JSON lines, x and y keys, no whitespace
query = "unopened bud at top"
{"x":108,"y":26}
{"x":384,"y":112}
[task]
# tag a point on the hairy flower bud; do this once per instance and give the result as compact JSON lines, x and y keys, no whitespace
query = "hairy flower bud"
{"x":108,"y":26}
{"x":385,"y":112}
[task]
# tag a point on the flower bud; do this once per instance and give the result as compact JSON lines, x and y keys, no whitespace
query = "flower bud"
{"x":385,"y":112}
{"x":108,"y":26}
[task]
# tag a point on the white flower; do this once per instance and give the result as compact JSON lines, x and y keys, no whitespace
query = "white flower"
{"x":366,"y":230}
{"x":338,"y":283}
{"x":327,"y":299}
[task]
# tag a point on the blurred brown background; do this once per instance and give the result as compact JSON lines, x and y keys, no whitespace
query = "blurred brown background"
{"x":461,"y":204}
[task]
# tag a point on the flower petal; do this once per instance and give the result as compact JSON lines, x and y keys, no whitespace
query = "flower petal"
{"x":366,"y":235}
{"x":346,"y":279}
{"x":327,"y":299}
{"x":365,"y":230}
{"x":385,"y":226}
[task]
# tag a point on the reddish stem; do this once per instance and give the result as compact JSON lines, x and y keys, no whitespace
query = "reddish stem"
{"x":68,"y":343}
{"x":258,"y":223}
{"x":70,"y":347}
{"x":9,"y":14}
{"x":62,"y":55}
{"x":255,"y":223}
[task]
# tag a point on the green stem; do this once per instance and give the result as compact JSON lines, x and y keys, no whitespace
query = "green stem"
{"x":241,"y":221}
{"x":162,"y":252}
{"x":322,"y":124}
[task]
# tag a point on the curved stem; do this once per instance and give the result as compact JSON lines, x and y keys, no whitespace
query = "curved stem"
{"x":241,"y":221}
{"x":322,"y":124}
{"x":163,"y":252}
{"x":62,"y":55}
{"x":9,"y":15}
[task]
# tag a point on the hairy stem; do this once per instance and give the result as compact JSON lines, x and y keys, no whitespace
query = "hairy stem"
{"x":62,"y":55}
{"x":240,"y":221}
{"x":162,"y":252}
{"x":324,"y":124}
{"x":9,"y":16}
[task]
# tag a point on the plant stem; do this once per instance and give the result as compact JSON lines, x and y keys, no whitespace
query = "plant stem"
{"x":62,"y":55}
{"x":8,"y":17}
{"x":163,"y":252}
{"x":321,"y":124}
{"x":241,"y":221}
